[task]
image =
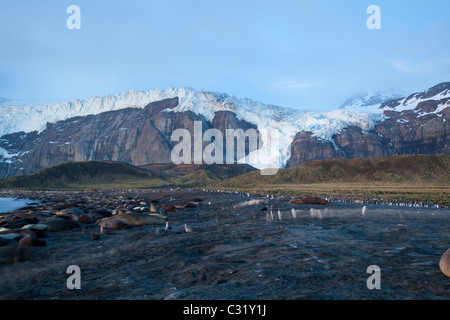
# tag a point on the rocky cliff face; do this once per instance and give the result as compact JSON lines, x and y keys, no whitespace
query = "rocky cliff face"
{"x":140,"y":136}
{"x":417,"y":124}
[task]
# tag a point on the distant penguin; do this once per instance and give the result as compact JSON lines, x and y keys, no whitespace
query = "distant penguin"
{"x":168,"y":227}
{"x":279,"y":215}
{"x":294,"y":213}
{"x":363,"y":211}
{"x":188,"y":229}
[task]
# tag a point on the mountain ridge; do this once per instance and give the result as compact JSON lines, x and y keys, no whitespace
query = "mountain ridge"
{"x":141,"y":135}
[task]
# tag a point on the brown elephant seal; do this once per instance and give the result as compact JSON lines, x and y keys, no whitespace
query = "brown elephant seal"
{"x":28,"y":242}
{"x":137,"y":219}
{"x":444,"y":263}
{"x":58,"y":225}
{"x":168,"y":208}
{"x":10,"y":253}
{"x":114,"y":224}
{"x":309,"y":200}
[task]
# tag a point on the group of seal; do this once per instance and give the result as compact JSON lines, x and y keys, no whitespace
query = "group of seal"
{"x":94,"y":213}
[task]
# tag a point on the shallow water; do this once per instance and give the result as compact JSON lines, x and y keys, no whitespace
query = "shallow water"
{"x":11,"y":204}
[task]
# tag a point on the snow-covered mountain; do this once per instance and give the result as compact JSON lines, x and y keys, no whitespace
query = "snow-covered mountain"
{"x":369,"y":102}
{"x":287,"y":122}
{"x":387,"y":101}
{"x":136,"y":127}
{"x":431,"y":101}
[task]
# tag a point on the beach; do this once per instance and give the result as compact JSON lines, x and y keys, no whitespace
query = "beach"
{"x":242,"y":246}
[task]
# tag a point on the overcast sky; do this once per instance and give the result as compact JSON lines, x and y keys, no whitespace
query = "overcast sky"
{"x":300,"y":54}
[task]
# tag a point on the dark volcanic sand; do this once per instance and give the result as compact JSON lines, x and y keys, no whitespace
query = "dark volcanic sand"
{"x":241,"y":253}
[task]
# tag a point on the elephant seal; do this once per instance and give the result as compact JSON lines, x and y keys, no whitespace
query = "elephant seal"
{"x":309,"y":200}
{"x":136,"y":219}
{"x":114,"y":224}
{"x":168,"y":208}
{"x":28,"y":242}
{"x":58,"y":225}
{"x":158,"y":215}
{"x":444,"y":263}
{"x":36,"y":227}
{"x":11,"y":236}
{"x":10,"y":253}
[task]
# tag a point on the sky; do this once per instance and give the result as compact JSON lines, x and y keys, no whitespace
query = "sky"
{"x":310,"y":55}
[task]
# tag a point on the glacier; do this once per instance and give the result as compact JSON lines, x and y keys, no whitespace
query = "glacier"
{"x":285,"y":122}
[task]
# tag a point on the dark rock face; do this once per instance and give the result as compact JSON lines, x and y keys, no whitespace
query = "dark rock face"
{"x":306,"y":147}
{"x":409,"y":133}
{"x":352,"y":142}
{"x":357,"y":143}
{"x":139,"y":136}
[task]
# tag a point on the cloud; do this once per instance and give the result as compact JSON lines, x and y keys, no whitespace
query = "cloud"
{"x":419,"y":67}
{"x":294,"y":84}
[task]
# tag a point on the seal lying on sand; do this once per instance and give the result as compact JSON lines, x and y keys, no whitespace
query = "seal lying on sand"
{"x":137,"y":219}
{"x":9,"y":251}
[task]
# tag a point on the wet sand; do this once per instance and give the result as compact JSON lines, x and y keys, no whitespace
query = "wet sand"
{"x":237,"y":251}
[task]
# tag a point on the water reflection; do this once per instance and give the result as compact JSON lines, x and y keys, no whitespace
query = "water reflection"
{"x":11,"y":204}
{"x":351,"y":212}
